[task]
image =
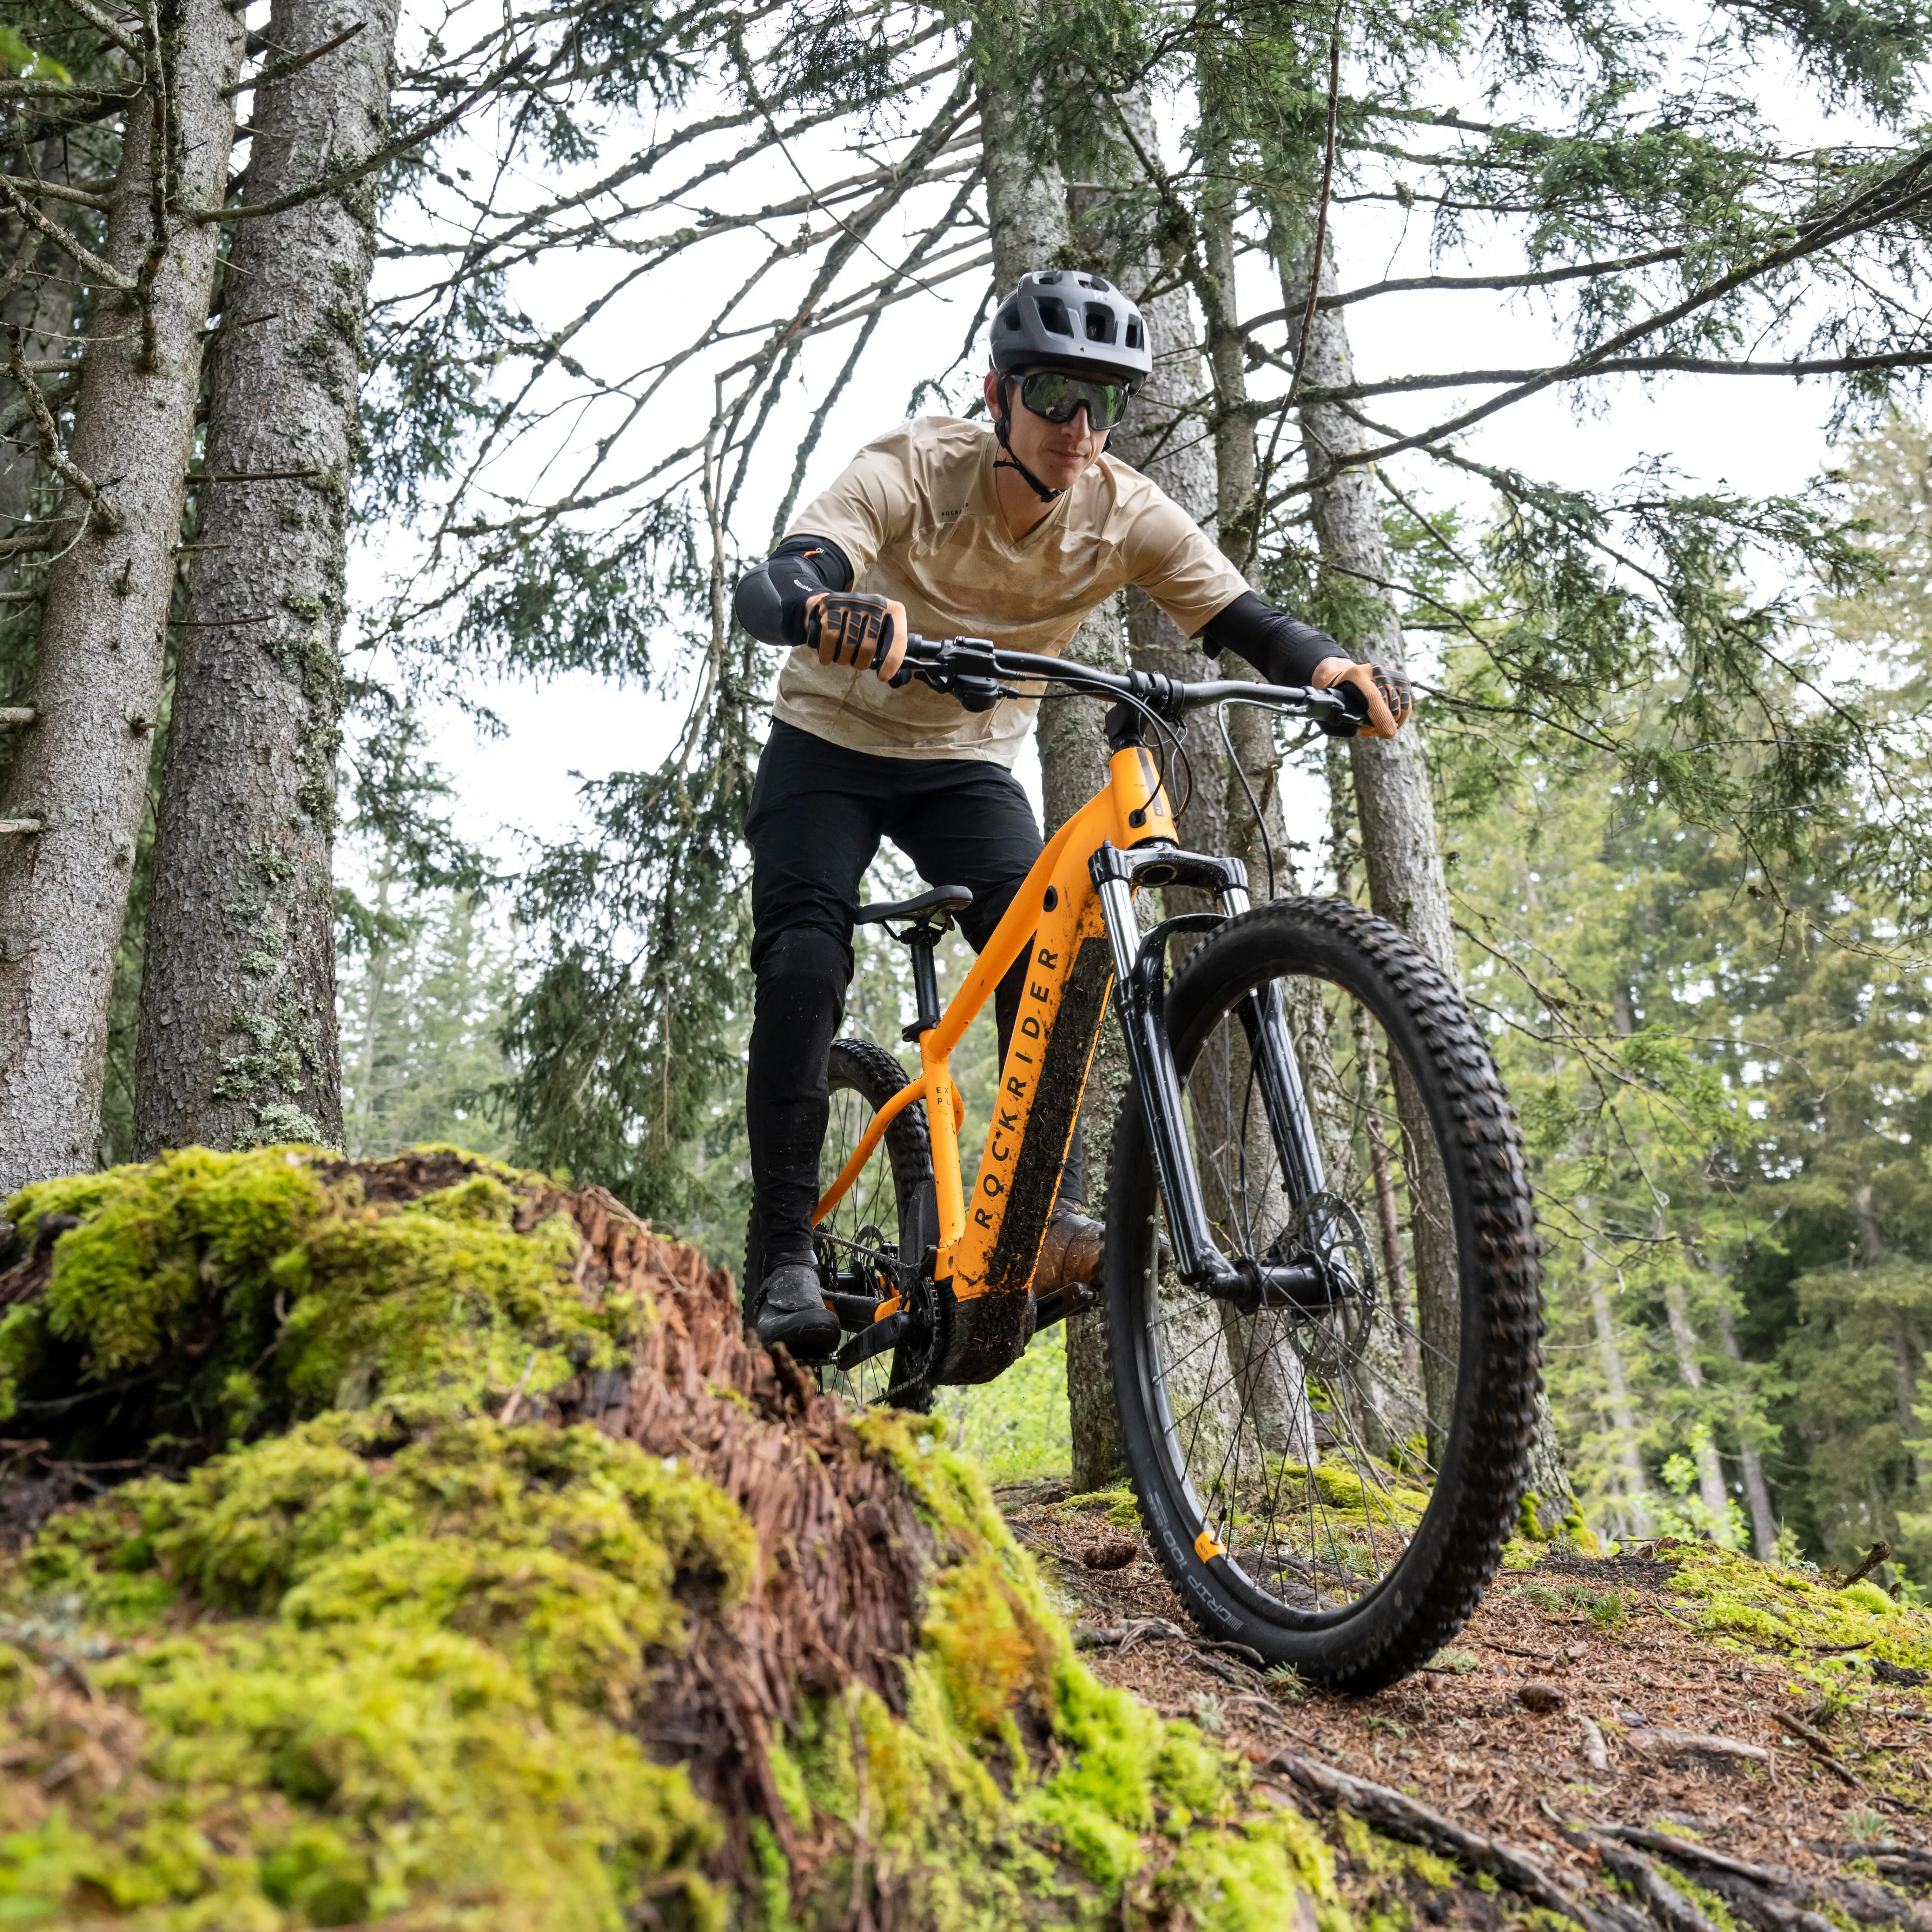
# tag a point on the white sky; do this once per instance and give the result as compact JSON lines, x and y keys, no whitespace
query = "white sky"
{"x":1759,"y":434}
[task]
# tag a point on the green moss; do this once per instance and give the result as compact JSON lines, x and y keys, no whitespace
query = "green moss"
{"x":244,"y":1290}
{"x":424,"y":1700}
{"x":1137,"y":1809}
{"x":774,"y":1873}
{"x":1737,"y":1597}
{"x":353,"y":1780}
{"x":1120,"y":1506}
{"x":392,"y":1661}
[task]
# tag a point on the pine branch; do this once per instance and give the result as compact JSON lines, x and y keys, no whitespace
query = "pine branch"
{"x":381,"y":158}
{"x":1624,"y":365}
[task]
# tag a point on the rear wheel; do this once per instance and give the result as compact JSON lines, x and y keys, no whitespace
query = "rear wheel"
{"x":1332,"y":1483}
{"x":873,"y":1242}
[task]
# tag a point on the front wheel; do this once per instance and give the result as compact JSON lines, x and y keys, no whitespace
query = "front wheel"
{"x":1330,"y":1481}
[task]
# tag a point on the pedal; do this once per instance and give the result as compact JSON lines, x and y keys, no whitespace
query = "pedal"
{"x":1063,"y":1302}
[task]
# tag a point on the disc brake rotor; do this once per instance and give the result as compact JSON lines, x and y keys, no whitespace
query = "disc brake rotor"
{"x":1327,"y":1231}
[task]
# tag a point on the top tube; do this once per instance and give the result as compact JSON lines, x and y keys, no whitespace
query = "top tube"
{"x":979,"y":673}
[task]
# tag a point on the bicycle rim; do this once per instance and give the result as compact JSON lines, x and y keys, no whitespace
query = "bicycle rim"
{"x":1326,"y":1465}
{"x":863,"y":1244}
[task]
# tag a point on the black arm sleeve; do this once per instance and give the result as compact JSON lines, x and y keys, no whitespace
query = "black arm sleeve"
{"x":771,"y":600}
{"x":1282,"y":650}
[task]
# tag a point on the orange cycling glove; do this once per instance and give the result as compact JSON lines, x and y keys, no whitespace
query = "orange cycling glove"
{"x":1390,"y":699}
{"x":1395,"y":693}
{"x":852,"y":627}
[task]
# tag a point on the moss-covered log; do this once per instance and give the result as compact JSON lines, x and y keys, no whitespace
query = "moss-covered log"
{"x":417,"y":1543}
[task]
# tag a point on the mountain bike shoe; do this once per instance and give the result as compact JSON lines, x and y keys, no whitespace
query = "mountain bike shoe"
{"x":792,"y":1310}
{"x":1070,"y":1253}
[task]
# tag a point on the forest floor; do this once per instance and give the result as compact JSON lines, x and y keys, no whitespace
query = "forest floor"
{"x":1651,"y":1662}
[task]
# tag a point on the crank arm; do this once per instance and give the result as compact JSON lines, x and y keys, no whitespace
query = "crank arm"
{"x":874,"y":1341}
{"x":855,"y":1312}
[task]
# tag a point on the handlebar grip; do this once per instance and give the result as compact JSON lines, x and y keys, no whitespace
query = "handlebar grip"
{"x":1354,"y":702}
{"x":915,"y":651}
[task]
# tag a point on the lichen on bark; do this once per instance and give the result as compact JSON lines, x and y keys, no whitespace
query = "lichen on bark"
{"x":226,"y":1057}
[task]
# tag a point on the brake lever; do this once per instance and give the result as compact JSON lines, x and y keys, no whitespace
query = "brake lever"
{"x":1354,"y":702}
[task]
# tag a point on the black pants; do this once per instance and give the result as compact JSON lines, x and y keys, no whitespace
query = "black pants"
{"x":818,"y":812}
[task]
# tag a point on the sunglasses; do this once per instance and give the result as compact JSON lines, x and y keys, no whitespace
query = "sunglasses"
{"x":1056,"y":395}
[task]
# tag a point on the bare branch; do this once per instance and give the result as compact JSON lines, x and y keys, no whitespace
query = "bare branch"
{"x":104,"y":273}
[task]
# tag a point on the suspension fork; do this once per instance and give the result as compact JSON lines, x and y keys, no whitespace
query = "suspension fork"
{"x":1140,"y":997}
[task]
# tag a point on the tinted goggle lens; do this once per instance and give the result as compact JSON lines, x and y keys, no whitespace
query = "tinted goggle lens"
{"x":1051,"y":394}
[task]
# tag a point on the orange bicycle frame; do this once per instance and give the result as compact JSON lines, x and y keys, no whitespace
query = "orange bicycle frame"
{"x":989,"y":1246}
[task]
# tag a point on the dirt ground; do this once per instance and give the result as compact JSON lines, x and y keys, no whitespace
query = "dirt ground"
{"x":1575,"y":1656}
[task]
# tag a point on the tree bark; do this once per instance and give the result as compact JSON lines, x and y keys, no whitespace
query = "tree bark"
{"x":237,"y":1043}
{"x":1026,"y":212}
{"x":82,"y":773}
{"x":42,"y":306}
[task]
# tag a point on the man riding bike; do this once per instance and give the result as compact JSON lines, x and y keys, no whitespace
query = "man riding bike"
{"x":1013,"y":530}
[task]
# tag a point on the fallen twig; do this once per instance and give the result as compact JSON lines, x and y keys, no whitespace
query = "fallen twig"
{"x":1878,"y":1553}
{"x":1511,"y":1650}
{"x":1404,"y":1817}
{"x":1821,"y":1744}
{"x":1658,"y":1737}
{"x":1131,"y":1631}
{"x":507,"y":1414}
{"x":1687,"y":1850}
{"x":1124,"y":1635}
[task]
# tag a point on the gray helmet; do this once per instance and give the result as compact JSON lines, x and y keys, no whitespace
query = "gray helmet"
{"x":1078,"y":321}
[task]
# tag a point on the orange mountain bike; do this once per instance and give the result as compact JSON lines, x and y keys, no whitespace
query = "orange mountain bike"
{"x":1320,"y":1283}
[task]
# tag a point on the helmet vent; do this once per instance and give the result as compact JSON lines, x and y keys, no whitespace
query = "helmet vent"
{"x":1099,"y":323}
{"x":1053,"y":315}
{"x":1133,"y":332}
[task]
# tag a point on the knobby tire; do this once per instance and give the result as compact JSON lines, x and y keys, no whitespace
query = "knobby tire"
{"x":1480,"y":1473}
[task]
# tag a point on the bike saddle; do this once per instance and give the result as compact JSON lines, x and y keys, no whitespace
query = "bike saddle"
{"x":942,"y":902}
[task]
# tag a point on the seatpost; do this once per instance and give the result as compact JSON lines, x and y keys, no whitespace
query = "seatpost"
{"x":925,"y":980}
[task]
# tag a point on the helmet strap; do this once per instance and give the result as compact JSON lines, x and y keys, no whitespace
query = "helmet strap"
{"x":1009,"y":461}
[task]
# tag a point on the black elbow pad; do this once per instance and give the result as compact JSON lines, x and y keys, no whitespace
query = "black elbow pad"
{"x":770,"y":601}
{"x":759,"y":606}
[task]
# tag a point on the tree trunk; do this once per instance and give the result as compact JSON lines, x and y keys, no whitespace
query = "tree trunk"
{"x":1712,"y":1490}
{"x":1757,"y":1492}
{"x":82,"y":774}
{"x":42,"y":305}
{"x":1027,"y":213}
{"x":1401,"y":852}
{"x":1399,"y":848}
{"x":238,"y":1002}
{"x":1637,"y":1520}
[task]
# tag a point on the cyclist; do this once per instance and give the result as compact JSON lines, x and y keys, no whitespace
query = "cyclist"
{"x":1014,"y":529}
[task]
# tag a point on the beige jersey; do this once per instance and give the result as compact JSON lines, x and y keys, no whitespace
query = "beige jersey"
{"x":919,"y":518}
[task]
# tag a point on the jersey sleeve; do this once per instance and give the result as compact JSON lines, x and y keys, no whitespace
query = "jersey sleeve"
{"x":1174,"y":561}
{"x":868,"y":505}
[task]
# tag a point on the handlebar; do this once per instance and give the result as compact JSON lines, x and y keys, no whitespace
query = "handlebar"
{"x":979,"y":674}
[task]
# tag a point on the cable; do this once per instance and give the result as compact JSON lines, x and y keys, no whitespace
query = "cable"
{"x":1170,"y":742}
{"x":1261,"y":825}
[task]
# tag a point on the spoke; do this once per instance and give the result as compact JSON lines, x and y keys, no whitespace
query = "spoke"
{"x":1253,"y":1397}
